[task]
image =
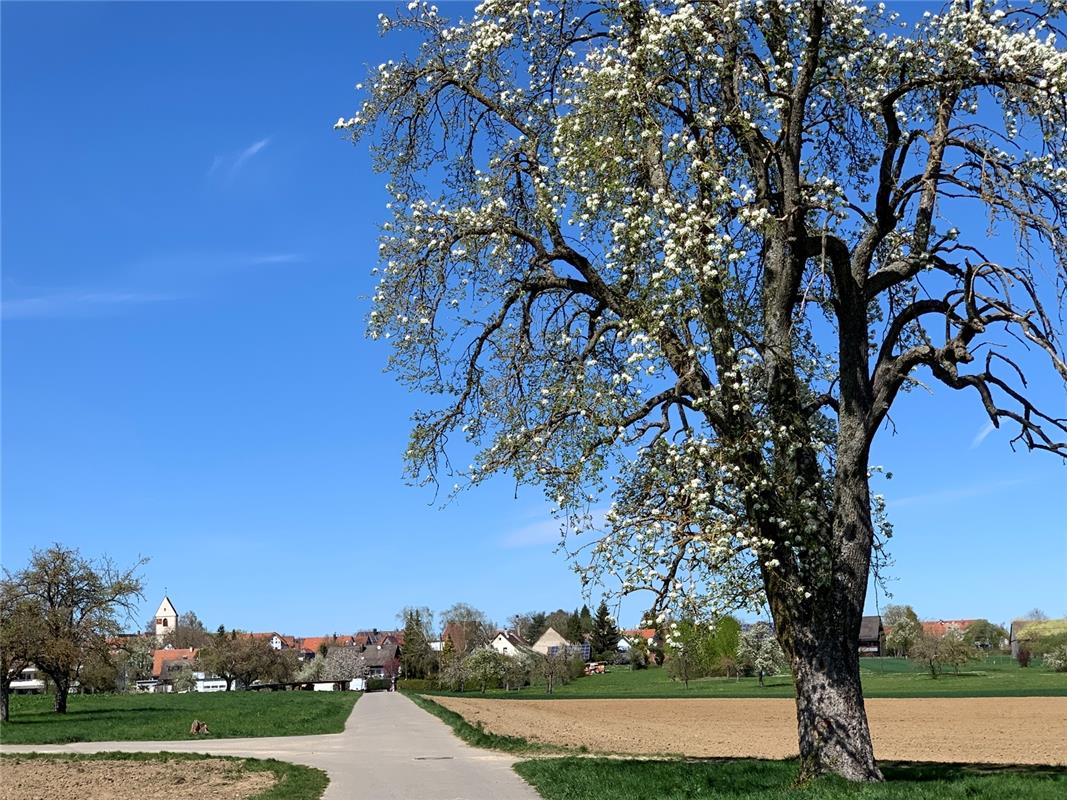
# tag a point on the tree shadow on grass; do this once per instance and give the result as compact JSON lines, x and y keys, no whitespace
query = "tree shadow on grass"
{"x":82,"y":715}
{"x":919,"y":771}
{"x":757,"y":779}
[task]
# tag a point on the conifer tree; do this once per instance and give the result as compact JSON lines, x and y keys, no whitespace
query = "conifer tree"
{"x":605,"y":639}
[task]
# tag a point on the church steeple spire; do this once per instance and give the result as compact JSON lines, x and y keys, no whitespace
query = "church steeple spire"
{"x":166,"y":618}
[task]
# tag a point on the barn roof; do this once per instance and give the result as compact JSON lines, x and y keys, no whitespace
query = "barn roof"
{"x":870,"y":628}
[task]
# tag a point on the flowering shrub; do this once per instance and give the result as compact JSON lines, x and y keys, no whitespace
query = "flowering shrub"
{"x":1056,"y":660}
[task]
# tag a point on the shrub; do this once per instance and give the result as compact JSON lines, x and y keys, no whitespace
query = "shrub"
{"x":415,"y":684}
{"x":1023,"y":657}
{"x":576,"y":668}
{"x":485,"y":668}
{"x":1056,"y":660}
{"x":378,"y":684}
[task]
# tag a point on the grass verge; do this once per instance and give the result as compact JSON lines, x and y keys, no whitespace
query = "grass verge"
{"x":478,"y":736}
{"x":163,"y":717}
{"x":751,"y":779}
{"x":294,"y":782}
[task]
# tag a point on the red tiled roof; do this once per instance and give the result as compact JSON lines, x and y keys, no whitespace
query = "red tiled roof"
{"x":939,"y":627}
{"x":288,"y":641}
{"x":644,"y":633}
{"x":161,"y":657}
{"x":311,"y":643}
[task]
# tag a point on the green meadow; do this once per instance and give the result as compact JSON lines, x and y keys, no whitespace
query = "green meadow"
{"x":161,"y":717}
{"x":994,"y":676}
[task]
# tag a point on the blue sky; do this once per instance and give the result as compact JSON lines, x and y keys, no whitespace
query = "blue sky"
{"x":186,"y":253}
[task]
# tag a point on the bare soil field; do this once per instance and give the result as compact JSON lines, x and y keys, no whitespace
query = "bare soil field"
{"x":48,"y":779}
{"x":994,"y":730}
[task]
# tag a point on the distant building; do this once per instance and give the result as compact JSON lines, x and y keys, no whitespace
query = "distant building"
{"x":631,"y":636}
{"x":166,"y":619}
{"x":29,"y":681}
{"x":509,"y":643}
{"x":550,"y":640}
{"x":939,"y":627}
{"x":276,"y":640}
{"x":310,"y":646}
{"x":1023,"y":631}
{"x":872,"y":637}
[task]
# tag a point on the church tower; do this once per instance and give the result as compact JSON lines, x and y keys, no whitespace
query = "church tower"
{"x":166,"y":619}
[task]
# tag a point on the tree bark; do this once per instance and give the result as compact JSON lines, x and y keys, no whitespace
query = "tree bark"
{"x":62,"y":690}
{"x":5,"y":693}
{"x":820,"y":633}
{"x":831,"y":718}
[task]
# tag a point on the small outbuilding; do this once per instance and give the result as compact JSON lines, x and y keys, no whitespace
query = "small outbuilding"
{"x":872,"y":637}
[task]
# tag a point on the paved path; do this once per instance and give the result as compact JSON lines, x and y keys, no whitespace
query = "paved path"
{"x":390,"y":749}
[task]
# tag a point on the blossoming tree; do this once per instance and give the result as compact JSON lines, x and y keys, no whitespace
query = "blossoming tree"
{"x":697,"y":249}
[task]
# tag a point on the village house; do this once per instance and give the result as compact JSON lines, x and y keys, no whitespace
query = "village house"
{"x":29,"y":681}
{"x":169,"y":660}
{"x":630,"y":637}
{"x":549,"y":641}
{"x":509,"y":643}
{"x":276,"y":640}
{"x":937,"y":628}
{"x":361,"y":664}
{"x":310,"y":646}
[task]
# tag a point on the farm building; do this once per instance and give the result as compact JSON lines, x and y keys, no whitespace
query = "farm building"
{"x":872,"y":637}
{"x":1028,"y":630}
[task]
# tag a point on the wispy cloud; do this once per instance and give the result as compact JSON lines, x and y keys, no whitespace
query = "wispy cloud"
{"x":231,"y":164}
{"x":245,"y":155}
{"x":152,"y":280}
{"x":982,"y":434}
{"x":954,"y":495}
{"x":197,"y":268}
{"x":76,"y":303}
{"x":545,"y":530}
{"x":276,"y":258}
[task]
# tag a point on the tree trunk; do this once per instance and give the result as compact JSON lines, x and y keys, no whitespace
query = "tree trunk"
{"x":831,"y":718}
{"x":62,"y":690}
{"x":820,"y":633}
{"x":5,"y":693}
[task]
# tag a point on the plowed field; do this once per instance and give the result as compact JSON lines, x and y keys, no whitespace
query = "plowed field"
{"x":209,"y":779}
{"x":995,"y":730}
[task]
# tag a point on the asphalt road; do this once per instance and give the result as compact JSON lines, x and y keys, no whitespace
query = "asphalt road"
{"x":390,"y":748}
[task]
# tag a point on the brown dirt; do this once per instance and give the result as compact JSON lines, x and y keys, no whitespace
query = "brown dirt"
{"x":995,"y":730}
{"x":207,"y":779}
